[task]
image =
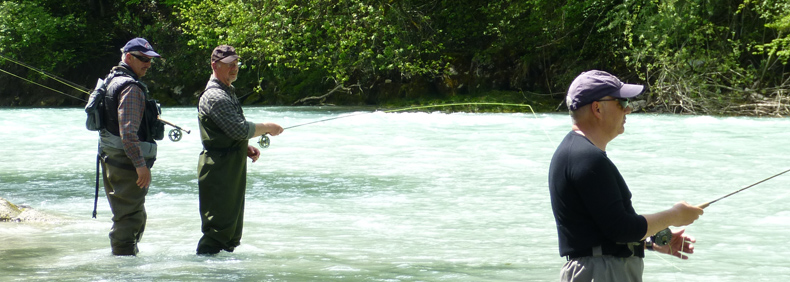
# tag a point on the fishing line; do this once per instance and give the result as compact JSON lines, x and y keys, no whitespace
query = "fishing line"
{"x":47,"y":87}
{"x":659,"y":255}
{"x":174,"y":134}
{"x":264,"y":141}
{"x":705,"y":205}
{"x":52,"y":76}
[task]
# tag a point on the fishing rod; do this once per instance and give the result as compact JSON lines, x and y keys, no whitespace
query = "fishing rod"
{"x":174,"y":134}
{"x":264,"y":141}
{"x":705,"y":205}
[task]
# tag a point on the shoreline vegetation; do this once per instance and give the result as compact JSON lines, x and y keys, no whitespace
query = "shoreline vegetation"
{"x":715,"y":57}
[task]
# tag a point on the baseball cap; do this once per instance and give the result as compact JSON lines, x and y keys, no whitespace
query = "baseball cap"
{"x":141,"y":45}
{"x":224,"y":53}
{"x":593,"y":85}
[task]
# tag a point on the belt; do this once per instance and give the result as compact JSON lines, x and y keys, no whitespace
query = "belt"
{"x":222,"y":150}
{"x":620,"y":250}
{"x":122,"y":165}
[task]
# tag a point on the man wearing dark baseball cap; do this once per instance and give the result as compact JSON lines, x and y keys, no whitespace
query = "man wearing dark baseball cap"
{"x":128,"y":144}
{"x":600,"y":234}
{"x":140,"y":45}
{"x":222,"y":165}
{"x":224,"y":53}
{"x":593,"y":85}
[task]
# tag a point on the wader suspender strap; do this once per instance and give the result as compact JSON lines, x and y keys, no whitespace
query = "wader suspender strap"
{"x":207,"y":89}
{"x":96,"y":196}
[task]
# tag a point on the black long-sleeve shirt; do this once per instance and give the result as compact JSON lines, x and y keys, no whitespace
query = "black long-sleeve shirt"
{"x":590,"y":200}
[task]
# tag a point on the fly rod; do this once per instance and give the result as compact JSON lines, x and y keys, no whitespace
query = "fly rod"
{"x":264,"y":141}
{"x":174,"y":135}
{"x":705,"y":205}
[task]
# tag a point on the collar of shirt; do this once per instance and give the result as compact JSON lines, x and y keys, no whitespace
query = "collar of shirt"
{"x":128,"y":70}
{"x":230,"y":91}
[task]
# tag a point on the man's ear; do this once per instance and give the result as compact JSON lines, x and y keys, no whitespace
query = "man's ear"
{"x":595,"y":107}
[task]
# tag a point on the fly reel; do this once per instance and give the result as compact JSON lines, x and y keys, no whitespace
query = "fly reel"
{"x":662,"y":238}
{"x":264,"y":141}
{"x":175,"y":135}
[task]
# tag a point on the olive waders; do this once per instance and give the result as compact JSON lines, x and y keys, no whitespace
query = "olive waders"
{"x":127,"y":200}
{"x":222,"y":181}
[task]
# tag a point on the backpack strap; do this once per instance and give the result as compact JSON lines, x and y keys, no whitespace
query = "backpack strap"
{"x":121,"y":71}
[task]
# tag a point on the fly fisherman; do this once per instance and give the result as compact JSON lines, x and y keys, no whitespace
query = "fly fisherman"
{"x":222,"y":166}
{"x":600,"y":234}
{"x":128,"y":146}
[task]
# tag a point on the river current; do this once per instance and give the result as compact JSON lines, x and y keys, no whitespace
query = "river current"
{"x":394,"y":197}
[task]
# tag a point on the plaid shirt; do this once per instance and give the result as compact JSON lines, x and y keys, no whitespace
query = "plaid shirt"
{"x":223,"y":108}
{"x":131,"y":106}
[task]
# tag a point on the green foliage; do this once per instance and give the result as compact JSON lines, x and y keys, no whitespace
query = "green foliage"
{"x":30,"y":33}
{"x":349,"y":40}
{"x":779,"y":19}
{"x":694,"y":53}
{"x":698,"y":56}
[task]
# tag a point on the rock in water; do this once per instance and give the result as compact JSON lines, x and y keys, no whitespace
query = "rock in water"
{"x":8,"y":211}
{"x":11,"y":212}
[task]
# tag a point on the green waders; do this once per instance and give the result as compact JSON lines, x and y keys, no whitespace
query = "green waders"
{"x":222,"y":181}
{"x":127,"y":201}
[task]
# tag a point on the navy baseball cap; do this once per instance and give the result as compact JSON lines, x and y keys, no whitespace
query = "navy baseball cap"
{"x":224,"y":53}
{"x":141,"y":45}
{"x":593,"y":85}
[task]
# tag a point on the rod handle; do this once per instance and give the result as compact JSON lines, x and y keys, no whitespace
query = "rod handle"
{"x":174,"y":126}
{"x":704,"y":205}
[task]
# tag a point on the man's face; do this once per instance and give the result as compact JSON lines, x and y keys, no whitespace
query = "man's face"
{"x":139,"y":63}
{"x":227,"y":72}
{"x":613,"y":115}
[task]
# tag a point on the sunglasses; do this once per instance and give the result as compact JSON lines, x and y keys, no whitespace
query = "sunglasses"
{"x":143,"y":59}
{"x":232,"y":65}
{"x":623,"y":101}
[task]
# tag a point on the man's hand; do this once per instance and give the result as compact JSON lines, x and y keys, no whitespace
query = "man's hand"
{"x":679,"y":246}
{"x":253,"y":153}
{"x":685,"y":214}
{"x":273,"y":129}
{"x":143,"y":177}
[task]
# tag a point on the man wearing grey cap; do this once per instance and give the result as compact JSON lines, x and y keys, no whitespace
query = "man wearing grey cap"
{"x":222,"y":165}
{"x":600,"y":234}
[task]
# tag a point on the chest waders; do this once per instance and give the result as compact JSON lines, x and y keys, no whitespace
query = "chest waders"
{"x":222,"y":183}
{"x":126,"y":199}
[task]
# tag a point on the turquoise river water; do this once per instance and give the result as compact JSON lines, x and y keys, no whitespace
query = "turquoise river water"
{"x":394,"y":197}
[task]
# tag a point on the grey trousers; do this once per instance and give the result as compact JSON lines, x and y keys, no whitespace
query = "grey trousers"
{"x":603,"y":268}
{"x":127,"y":202}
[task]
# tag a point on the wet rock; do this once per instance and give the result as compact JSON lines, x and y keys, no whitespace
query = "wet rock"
{"x":13,"y":213}
{"x":8,"y":211}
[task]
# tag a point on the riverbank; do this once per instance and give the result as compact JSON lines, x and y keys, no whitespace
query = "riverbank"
{"x":753,"y":104}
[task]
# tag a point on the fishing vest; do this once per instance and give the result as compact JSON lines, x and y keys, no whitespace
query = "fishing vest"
{"x":151,"y":128}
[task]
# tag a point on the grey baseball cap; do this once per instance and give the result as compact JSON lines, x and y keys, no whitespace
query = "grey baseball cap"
{"x":593,"y":85}
{"x":224,"y":53}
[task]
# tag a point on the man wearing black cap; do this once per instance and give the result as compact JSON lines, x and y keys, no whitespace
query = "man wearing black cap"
{"x":128,"y":146}
{"x":600,"y":234}
{"x":222,"y":166}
